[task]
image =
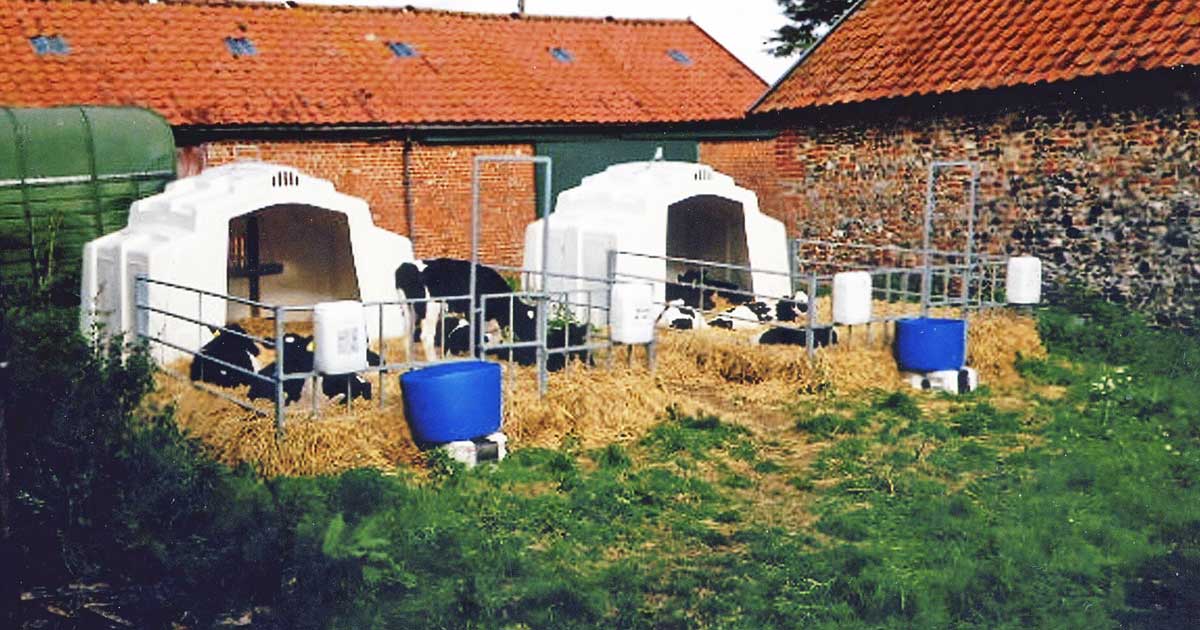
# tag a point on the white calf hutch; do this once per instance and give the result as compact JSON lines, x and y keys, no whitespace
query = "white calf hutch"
{"x":653,"y":212}
{"x":263,"y":232}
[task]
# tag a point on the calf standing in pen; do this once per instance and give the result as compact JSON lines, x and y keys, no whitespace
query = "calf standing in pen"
{"x":449,"y":277}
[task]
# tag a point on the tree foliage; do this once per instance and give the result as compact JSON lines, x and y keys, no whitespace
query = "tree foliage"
{"x":808,"y":20}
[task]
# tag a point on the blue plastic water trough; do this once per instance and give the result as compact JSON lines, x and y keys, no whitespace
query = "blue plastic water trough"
{"x":928,"y":345}
{"x":452,"y":401}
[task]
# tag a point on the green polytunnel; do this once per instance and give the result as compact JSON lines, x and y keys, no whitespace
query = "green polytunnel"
{"x":68,"y":175}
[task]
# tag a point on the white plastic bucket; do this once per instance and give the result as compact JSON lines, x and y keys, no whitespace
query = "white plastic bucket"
{"x":852,"y":297}
{"x":632,"y":314}
{"x":339,"y":337}
{"x":1023,"y":284}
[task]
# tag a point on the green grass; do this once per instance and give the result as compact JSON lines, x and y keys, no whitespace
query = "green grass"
{"x":1077,"y":509}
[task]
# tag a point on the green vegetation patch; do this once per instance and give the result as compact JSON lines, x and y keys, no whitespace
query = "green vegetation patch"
{"x":1074,"y":510}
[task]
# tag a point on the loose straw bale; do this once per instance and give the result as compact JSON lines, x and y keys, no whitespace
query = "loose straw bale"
{"x":341,"y":439}
{"x":596,"y":406}
{"x":995,"y":339}
{"x":731,"y":356}
{"x":712,"y":370}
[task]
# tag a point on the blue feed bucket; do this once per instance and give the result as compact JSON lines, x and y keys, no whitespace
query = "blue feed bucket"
{"x":928,"y":345}
{"x":452,"y":401}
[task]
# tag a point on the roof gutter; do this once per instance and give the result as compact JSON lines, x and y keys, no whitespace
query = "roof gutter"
{"x":804,"y":55}
{"x":713,"y":128}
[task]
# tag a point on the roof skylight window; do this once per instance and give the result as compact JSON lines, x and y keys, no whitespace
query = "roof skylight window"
{"x":240,"y":46}
{"x":562,"y":55}
{"x":402,"y":50}
{"x":49,"y":45}
{"x":679,"y":56}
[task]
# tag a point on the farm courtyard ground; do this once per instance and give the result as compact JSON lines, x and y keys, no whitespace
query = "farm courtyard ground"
{"x":1064,"y":498}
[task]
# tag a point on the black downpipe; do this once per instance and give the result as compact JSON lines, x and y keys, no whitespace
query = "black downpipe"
{"x":409,"y":212}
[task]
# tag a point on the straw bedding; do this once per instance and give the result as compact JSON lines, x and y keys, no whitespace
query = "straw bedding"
{"x":716,"y":371}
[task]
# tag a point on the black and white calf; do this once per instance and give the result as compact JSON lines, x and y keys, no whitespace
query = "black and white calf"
{"x":570,"y":335}
{"x":680,"y":317}
{"x":753,"y":314}
{"x":745,"y":316}
{"x":780,"y":336}
{"x":298,"y":359}
{"x":336,"y":386}
{"x":789,"y":309}
{"x":450,"y":277}
{"x":453,"y":335}
{"x":232,"y":346}
{"x":729,"y":291}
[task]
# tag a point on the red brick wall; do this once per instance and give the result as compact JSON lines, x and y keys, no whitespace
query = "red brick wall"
{"x":441,"y":188}
{"x":1100,"y":178}
{"x":751,"y":164}
{"x":442,"y":197}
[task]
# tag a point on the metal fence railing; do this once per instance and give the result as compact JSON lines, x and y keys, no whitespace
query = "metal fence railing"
{"x":553,"y":310}
{"x":571,"y":319}
{"x":924,"y":279}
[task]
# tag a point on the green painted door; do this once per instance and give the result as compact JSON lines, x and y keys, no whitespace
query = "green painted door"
{"x":573,"y":160}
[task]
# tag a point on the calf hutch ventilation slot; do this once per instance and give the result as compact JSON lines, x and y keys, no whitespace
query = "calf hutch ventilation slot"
{"x":285,"y":178}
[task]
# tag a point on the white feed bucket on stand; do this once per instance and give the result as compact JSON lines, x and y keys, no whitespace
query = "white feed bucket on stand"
{"x":632,"y":314}
{"x":339,"y":337}
{"x":852,"y":298}
{"x":1023,"y":284}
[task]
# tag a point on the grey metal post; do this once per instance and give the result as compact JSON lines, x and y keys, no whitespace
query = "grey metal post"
{"x":543,"y":322}
{"x":546,"y":201}
{"x":476,"y":218}
{"x":199,"y":318}
{"x":141,"y":300}
{"x":612,"y":283}
{"x":793,"y":265}
{"x":471,"y":319}
{"x":970,"y":238}
{"x":588,"y":337}
{"x":382,"y":356}
{"x":994,"y":273}
{"x":812,"y":314}
{"x":279,"y":372}
{"x":313,"y":410}
{"x":926,"y":278}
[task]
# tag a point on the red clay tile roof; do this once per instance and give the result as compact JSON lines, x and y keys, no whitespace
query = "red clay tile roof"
{"x":331,"y":65}
{"x":893,"y":48}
